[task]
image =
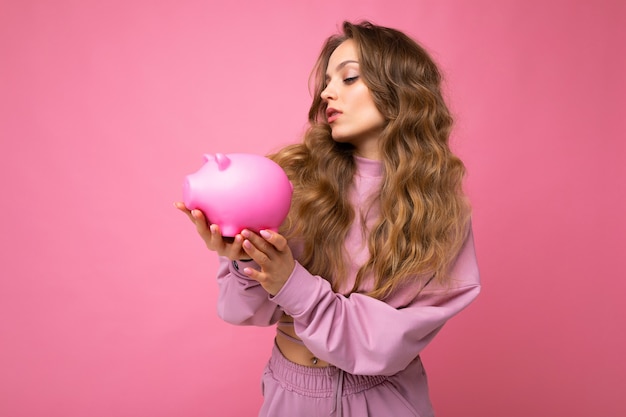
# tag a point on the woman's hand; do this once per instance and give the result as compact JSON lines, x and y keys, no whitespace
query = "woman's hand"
{"x":210,"y":233}
{"x":270,"y":250}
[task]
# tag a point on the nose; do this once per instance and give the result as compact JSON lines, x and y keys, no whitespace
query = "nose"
{"x":328,"y":93}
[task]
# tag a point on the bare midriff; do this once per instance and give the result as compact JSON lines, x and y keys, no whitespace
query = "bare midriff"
{"x":294,"y":350}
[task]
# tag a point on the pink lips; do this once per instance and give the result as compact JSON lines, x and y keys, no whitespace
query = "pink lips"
{"x":332,"y":114}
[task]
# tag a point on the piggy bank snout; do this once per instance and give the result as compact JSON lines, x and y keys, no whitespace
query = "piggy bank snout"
{"x":190,"y":191}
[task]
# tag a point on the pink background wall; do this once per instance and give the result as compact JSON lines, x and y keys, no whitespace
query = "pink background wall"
{"x":107,"y":297}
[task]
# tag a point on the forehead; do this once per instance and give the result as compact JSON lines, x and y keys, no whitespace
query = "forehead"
{"x":346,"y":51}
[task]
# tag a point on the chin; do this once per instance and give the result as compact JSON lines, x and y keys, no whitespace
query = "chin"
{"x":341,"y":138}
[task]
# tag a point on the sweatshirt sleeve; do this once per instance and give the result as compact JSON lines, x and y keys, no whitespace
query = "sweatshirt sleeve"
{"x":241,"y":300}
{"x":366,"y":336}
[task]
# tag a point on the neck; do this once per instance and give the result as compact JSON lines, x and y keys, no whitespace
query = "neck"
{"x":368,"y":153}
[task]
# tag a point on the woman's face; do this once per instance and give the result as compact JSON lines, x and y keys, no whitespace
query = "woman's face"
{"x":351,"y":112}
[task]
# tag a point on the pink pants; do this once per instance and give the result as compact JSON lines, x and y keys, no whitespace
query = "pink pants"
{"x":292,"y":390}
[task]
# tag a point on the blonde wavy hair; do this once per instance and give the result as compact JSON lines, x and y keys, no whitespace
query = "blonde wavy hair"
{"x":424,"y":215}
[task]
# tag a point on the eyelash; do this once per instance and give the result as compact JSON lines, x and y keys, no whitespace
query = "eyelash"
{"x":349,"y":80}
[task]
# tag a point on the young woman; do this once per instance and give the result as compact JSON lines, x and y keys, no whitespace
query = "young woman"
{"x":377,"y":251}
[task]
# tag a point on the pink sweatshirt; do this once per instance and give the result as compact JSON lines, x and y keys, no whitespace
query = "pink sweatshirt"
{"x":358,"y":334}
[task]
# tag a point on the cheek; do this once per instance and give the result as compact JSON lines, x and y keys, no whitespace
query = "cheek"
{"x":366,"y":105}
{"x":370,"y":111}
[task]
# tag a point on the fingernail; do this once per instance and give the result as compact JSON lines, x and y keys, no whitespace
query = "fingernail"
{"x":247,"y":244}
{"x":265,"y":234}
{"x":245,"y":233}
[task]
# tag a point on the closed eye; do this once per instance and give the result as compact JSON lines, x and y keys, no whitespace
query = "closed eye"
{"x":350,"y":80}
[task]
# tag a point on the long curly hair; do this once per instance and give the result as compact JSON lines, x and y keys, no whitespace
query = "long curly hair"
{"x":424,"y":215}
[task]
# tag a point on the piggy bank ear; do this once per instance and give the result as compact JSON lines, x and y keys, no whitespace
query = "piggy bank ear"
{"x":220,"y":159}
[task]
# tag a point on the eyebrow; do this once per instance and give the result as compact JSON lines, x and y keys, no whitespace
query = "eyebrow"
{"x":341,"y":65}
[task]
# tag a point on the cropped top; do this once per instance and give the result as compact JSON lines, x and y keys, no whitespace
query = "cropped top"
{"x":356,"y":333}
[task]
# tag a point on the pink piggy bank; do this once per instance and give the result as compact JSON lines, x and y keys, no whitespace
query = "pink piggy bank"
{"x":239,"y":191}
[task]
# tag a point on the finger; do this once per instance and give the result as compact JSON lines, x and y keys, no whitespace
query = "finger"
{"x":231,"y":247}
{"x":277,"y":240}
{"x":181,"y":206}
{"x":260,"y":243}
{"x":264,"y":279}
{"x":253,"y":273}
{"x":257,"y":255}
{"x":236,"y":248}
{"x":217,"y":241}
{"x":214,"y":234}
{"x":200,"y":221}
